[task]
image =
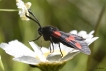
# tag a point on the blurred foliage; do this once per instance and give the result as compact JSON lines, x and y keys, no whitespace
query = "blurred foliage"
{"x":66,"y":15}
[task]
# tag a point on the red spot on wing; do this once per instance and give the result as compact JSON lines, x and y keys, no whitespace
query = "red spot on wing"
{"x":78,"y":45}
{"x":67,"y":39}
{"x":70,"y":38}
{"x":56,"y":34}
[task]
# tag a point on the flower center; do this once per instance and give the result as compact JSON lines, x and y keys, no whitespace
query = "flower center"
{"x":63,"y":52}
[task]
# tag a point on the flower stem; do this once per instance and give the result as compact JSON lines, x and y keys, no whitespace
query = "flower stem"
{"x":90,"y":60}
{"x":1,"y":65}
{"x":9,"y":10}
{"x":99,"y":20}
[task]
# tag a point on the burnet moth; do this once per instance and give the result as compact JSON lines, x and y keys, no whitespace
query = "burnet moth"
{"x":53,"y":35}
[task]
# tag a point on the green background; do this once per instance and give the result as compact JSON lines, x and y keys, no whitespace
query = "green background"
{"x":66,"y":15}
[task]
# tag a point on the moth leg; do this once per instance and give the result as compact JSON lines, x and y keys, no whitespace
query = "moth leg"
{"x":60,"y":50}
{"x":36,"y":38}
{"x":52,"y":45}
{"x":41,"y":44}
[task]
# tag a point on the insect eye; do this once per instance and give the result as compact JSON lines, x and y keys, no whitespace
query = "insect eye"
{"x":51,"y":28}
{"x":40,"y":31}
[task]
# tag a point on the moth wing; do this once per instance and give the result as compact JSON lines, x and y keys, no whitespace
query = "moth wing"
{"x":72,"y":41}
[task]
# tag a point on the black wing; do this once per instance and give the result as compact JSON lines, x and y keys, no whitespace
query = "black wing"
{"x":71,"y":40}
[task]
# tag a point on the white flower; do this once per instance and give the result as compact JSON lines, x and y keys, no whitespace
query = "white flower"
{"x":88,"y":37}
{"x":40,"y":56}
{"x":23,"y":9}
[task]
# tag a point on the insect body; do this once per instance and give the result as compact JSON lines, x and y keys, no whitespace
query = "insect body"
{"x":52,"y":34}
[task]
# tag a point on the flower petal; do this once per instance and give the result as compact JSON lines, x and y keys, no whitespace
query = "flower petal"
{"x":66,"y":48}
{"x":28,"y":5}
{"x":27,"y":60}
{"x":90,"y":35}
{"x":70,"y":55}
{"x":37,"y":51}
{"x":63,"y":47}
{"x":89,"y":41}
{"x":55,"y":56}
{"x":55,"y":46}
{"x":17,"y":49}
{"x":82,"y":34}
{"x":23,"y":9}
{"x":91,"y":32}
{"x":73,"y":32}
{"x":44,"y":50}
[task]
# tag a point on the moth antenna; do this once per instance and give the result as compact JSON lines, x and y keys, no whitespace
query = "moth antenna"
{"x":35,"y":19}
{"x":33,"y":15}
